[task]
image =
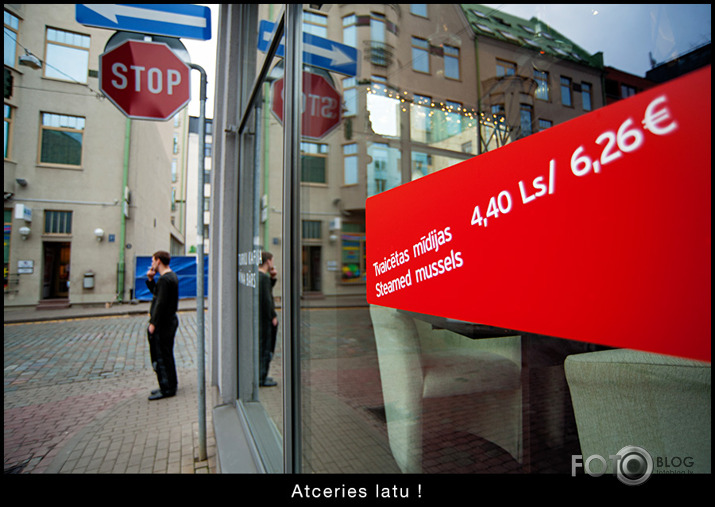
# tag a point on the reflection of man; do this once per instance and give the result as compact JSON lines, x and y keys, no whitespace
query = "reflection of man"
{"x":267,"y":317}
{"x":163,"y":323}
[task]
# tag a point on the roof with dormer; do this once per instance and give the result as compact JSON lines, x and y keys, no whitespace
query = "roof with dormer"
{"x":531,"y":34}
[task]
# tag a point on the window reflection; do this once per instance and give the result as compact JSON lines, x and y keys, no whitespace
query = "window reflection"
{"x":383,"y":109}
{"x":383,"y":172}
{"x":423,"y":395}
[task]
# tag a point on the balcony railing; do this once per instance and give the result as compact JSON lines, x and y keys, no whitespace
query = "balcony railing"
{"x":379,"y":53}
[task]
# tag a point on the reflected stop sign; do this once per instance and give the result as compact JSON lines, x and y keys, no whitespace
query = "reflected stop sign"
{"x":145,"y":80}
{"x":321,"y":108}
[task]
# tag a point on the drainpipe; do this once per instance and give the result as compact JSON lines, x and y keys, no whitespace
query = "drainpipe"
{"x":123,"y":218}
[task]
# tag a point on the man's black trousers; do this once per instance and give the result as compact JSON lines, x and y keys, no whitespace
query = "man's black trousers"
{"x":161,"y":352}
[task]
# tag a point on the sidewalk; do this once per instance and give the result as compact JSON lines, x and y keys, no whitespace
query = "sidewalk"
{"x":15,"y":315}
{"x":98,"y":419}
{"x":31,"y":314}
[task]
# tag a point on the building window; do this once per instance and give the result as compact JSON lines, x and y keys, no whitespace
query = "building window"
{"x":542,"y":82}
{"x":499,"y":112}
{"x":350,"y":30}
{"x":12,"y":27}
{"x":420,"y":55}
{"x":312,"y":229}
{"x":8,"y":129}
{"x":510,"y":36}
{"x":451,"y":62}
{"x":566,"y":91}
{"x":66,"y":55}
{"x":421,"y":119}
{"x":314,"y":158}
{"x":379,"y":53}
{"x":350,"y":164}
{"x":586,"y":96}
{"x":377,"y":27}
{"x":544,"y":124}
{"x":527,"y":114}
{"x":350,"y":98}
{"x":453,"y":118}
{"x":175,"y":148}
{"x":505,"y":68}
{"x":58,"y":222}
{"x":627,"y":91}
{"x":316,"y":24}
{"x":384,"y":171}
{"x":484,"y":28}
{"x":61,"y":139}
{"x":419,"y":10}
{"x":479,"y":14}
{"x":174,"y":165}
{"x":383,"y":110}
{"x":421,"y":164}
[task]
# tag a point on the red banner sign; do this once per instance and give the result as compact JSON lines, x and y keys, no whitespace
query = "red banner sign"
{"x":595,"y":230}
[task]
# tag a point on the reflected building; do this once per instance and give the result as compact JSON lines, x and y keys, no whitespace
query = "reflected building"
{"x":436,"y":85}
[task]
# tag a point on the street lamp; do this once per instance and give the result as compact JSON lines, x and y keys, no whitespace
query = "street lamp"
{"x":30,"y":60}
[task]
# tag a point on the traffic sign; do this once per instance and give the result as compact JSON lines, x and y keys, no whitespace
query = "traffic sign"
{"x":321,"y":108}
{"x":317,"y":51}
{"x":145,"y":80}
{"x":173,"y":20}
{"x":597,"y":230}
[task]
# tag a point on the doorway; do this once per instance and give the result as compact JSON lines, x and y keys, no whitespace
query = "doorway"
{"x":312,"y":282}
{"x":55,"y":270}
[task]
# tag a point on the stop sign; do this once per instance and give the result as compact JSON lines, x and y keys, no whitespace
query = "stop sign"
{"x":145,"y":80}
{"x":321,"y":107}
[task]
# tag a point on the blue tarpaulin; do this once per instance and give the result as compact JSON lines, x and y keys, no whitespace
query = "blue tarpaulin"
{"x":185,"y":269}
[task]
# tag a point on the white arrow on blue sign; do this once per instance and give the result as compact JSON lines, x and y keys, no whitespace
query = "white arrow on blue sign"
{"x":172,"y":20}
{"x":317,"y":51}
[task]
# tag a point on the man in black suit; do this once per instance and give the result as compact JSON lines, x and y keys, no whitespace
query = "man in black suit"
{"x":163,"y":324}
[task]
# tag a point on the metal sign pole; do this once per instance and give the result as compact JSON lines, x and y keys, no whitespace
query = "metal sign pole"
{"x":200,"y":268}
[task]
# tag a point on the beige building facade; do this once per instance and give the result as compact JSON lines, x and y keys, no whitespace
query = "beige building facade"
{"x":86,"y":189}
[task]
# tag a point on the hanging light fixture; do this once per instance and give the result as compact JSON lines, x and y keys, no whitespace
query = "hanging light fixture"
{"x":30,"y":60}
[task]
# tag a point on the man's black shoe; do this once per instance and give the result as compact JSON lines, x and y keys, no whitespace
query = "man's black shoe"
{"x":160,"y":395}
{"x":269,"y":382}
{"x":155,"y":391}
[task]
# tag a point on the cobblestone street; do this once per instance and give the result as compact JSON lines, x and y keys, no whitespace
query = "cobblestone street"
{"x":64,"y":378}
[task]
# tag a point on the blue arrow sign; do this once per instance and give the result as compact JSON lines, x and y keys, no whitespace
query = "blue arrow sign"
{"x":317,"y":51}
{"x":172,"y":20}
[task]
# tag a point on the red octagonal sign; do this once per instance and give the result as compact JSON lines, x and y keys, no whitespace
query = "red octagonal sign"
{"x":145,"y":80}
{"x":321,"y":108}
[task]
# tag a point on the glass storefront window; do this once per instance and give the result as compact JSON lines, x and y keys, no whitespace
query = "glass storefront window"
{"x":383,"y":173}
{"x":381,"y":390}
